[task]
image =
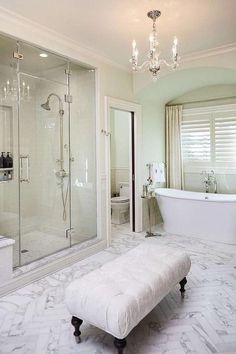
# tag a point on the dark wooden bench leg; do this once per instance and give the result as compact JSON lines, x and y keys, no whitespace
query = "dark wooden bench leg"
{"x":182,"y":284}
{"x":76,"y":322}
{"x":120,"y":344}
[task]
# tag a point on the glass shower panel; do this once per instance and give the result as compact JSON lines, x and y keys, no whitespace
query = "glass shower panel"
{"x":48,"y":198}
{"x":83,"y":155}
{"x":9,"y":193}
{"x":44,"y":168}
{"x":42,"y":64}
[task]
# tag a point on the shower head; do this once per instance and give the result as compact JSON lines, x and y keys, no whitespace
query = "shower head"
{"x":46,"y":106}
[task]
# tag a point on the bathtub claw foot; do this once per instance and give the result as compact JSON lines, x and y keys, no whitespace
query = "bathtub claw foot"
{"x":76,"y":322}
{"x":152,"y":234}
{"x":182,"y":284}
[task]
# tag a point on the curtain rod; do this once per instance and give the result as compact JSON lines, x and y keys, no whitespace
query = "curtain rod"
{"x":200,"y":101}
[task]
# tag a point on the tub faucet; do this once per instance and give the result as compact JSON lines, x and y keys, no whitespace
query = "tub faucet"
{"x":215,"y":185}
{"x":210,"y":180}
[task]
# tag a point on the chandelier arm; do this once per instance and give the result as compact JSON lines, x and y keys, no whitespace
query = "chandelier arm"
{"x":172,"y":65}
{"x":143,"y":65}
{"x":166,"y":63}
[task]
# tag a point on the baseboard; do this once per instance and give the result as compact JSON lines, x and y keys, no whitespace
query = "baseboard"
{"x":38,"y":273}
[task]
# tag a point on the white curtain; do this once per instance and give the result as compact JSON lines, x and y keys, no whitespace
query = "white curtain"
{"x":174,"y":169}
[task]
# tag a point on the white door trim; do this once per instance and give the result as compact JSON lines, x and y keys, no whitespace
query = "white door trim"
{"x":111,"y":102}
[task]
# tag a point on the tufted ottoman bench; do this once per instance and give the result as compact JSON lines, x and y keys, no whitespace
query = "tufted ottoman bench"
{"x":117,"y":296}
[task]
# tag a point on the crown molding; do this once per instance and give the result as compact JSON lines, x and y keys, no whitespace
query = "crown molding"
{"x":201,"y":54}
{"x":32,"y":32}
{"x":186,"y":62}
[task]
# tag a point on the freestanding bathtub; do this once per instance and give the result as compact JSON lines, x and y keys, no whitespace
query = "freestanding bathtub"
{"x":203,"y":215}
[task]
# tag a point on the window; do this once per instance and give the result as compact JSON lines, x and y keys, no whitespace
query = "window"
{"x":196,"y":144}
{"x":225,"y":139}
{"x":208,"y":136}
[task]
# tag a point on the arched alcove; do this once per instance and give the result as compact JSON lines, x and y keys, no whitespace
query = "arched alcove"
{"x":181,"y":85}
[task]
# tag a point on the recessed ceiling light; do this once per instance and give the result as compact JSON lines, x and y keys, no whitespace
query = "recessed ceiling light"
{"x":43,"y":55}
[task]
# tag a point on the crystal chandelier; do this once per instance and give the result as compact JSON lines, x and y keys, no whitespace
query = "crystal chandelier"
{"x":153,"y":63}
{"x":9,"y":90}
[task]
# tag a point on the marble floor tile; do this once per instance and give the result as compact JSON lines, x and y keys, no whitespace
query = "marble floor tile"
{"x":35,"y":320}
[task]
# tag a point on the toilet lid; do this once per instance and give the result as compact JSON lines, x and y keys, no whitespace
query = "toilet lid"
{"x":120,"y":199}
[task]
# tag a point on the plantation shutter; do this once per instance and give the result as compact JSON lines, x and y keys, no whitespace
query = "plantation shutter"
{"x":196,"y":139}
{"x":225,"y":137}
{"x":208,"y":135}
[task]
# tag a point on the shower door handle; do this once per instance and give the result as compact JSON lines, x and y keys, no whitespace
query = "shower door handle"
{"x":25,"y":178}
{"x":68,"y":232}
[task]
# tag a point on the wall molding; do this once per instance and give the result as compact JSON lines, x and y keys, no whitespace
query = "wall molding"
{"x":201,"y":54}
{"x":231,"y":107}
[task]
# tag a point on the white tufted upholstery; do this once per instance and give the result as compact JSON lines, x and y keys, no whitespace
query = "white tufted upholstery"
{"x":118,"y":295}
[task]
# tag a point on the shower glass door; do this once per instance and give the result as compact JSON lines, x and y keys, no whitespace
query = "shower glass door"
{"x":48,"y":199}
{"x":9,"y":192}
{"x":43,"y":155}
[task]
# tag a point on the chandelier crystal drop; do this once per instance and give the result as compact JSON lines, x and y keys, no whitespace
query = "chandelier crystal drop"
{"x":154,"y":62}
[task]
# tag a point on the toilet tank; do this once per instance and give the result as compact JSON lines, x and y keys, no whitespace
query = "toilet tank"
{"x":124,"y":189}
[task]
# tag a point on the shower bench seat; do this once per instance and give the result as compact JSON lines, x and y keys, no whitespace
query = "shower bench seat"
{"x":117,"y":296}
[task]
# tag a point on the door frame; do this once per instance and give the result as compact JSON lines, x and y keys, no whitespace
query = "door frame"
{"x":115,"y":103}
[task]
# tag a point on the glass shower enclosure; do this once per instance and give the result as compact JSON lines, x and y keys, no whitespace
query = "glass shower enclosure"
{"x":48,"y":151}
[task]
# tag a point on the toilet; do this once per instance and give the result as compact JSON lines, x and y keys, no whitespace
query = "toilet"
{"x":120,"y":205}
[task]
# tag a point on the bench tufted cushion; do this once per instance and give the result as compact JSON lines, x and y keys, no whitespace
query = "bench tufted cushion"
{"x":117,"y":296}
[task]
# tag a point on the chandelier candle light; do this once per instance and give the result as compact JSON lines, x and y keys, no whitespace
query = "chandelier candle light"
{"x":153,"y":63}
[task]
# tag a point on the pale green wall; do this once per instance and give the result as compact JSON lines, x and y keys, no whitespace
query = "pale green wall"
{"x":153,"y":133}
{"x":156,"y":95}
{"x":226,"y":94}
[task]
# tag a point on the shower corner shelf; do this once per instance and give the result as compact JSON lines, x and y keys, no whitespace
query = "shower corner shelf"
{"x":6,"y":169}
{"x":3,"y":171}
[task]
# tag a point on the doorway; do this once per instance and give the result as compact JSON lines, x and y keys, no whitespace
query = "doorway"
{"x":123,"y":164}
{"x":122,"y":168}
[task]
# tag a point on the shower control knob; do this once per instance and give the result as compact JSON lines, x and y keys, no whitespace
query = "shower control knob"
{"x":61,"y":174}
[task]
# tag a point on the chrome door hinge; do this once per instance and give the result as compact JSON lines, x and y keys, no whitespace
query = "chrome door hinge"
{"x":17,"y":55}
{"x":68,"y":232}
{"x":67,"y":71}
{"x":68,"y":98}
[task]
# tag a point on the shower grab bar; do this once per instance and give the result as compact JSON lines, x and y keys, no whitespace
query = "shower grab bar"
{"x":26,"y":158}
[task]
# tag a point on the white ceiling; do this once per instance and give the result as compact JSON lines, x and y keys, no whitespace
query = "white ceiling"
{"x":109,"y":26}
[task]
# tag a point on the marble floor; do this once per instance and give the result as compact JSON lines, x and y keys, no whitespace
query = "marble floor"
{"x":34,"y":320}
